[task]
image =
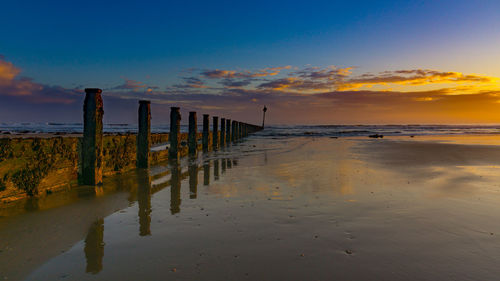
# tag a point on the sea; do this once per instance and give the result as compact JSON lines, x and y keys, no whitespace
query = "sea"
{"x":271,"y":131}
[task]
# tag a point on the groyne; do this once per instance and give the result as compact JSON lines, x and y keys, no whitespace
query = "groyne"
{"x":38,"y":166}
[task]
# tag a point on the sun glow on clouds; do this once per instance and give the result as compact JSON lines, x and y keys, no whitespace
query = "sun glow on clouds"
{"x":324,"y":95}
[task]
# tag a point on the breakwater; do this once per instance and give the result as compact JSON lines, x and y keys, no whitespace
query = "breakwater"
{"x":37,"y":166}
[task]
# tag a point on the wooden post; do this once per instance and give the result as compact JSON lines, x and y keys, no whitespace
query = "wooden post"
{"x":193,"y":132}
{"x":239,"y":130}
{"x":174,"y":136}
{"x":144,"y":134}
{"x":222,"y":132}
{"x":233,"y":129}
{"x":206,"y":132}
{"x":92,"y":137}
{"x":228,"y":131}
{"x":215,"y":133}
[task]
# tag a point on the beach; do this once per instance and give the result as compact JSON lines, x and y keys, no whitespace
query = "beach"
{"x":275,"y":208}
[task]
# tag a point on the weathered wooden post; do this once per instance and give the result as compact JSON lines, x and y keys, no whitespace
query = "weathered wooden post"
{"x":174,"y":136}
{"x":206,"y":132}
{"x":215,"y":133}
{"x":193,"y":132}
{"x":228,"y":131}
{"x":222,"y":132}
{"x":144,"y":134}
{"x":92,"y":137}
{"x":233,"y":129}
{"x":240,"y":127}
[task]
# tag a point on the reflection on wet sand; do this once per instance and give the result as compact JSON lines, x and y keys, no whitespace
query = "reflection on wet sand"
{"x":216,"y":169}
{"x":32,"y":204}
{"x":117,"y":193}
{"x":206,"y":172}
{"x":193,"y":180}
{"x":316,"y":211}
{"x":223,"y":165}
{"x":175,"y":187}
{"x":144,"y":200}
{"x":94,"y":247}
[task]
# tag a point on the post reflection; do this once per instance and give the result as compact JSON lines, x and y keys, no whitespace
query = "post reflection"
{"x":223,"y":165}
{"x":229,"y":164}
{"x":175,"y":187}
{"x":206,"y":172}
{"x":94,"y":247}
{"x":216,"y":169}
{"x":193,"y":180}
{"x":32,"y":204}
{"x":144,"y":200}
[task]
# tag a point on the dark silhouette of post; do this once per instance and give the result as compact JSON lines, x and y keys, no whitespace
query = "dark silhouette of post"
{"x":206,"y":132}
{"x":216,"y":169}
{"x":240,"y":130}
{"x":174,"y":136}
{"x":206,"y":172}
{"x":175,"y":187}
{"x":94,"y":247}
{"x":144,"y":200}
{"x":222,"y":132}
{"x":215,"y":133}
{"x":228,"y":131}
{"x":193,"y":132}
{"x":234,"y":136}
{"x":264,"y":116}
{"x":193,"y":180}
{"x":92,"y":137}
{"x":144,"y":135}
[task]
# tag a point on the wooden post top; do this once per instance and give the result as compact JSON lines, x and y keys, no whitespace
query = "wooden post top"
{"x":93,"y":90}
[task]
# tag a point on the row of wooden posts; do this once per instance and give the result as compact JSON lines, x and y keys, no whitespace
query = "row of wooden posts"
{"x":92,"y":145}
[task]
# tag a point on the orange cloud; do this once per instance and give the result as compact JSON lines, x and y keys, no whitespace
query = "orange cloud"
{"x":415,"y":77}
{"x":13,"y":85}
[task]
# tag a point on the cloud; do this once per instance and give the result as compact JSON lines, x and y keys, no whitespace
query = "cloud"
{"x":191,"y":82}
{"x":231,"y":83}
{"x":230,"y":74}
{"x":13,"y":85}
{"x":309,"y":95}
{"x":414,"y":77}
{"x":130,"y":85}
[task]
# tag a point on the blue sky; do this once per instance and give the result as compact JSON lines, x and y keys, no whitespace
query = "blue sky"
{"x":73,"y":44}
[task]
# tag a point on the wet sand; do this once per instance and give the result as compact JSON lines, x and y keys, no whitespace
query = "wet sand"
{"x":399,"y":208}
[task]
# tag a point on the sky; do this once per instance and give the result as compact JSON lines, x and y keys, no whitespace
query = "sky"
{"x":309,"y":62}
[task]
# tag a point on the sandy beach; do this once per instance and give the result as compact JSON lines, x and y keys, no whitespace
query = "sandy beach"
{"x":304,"y":208}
